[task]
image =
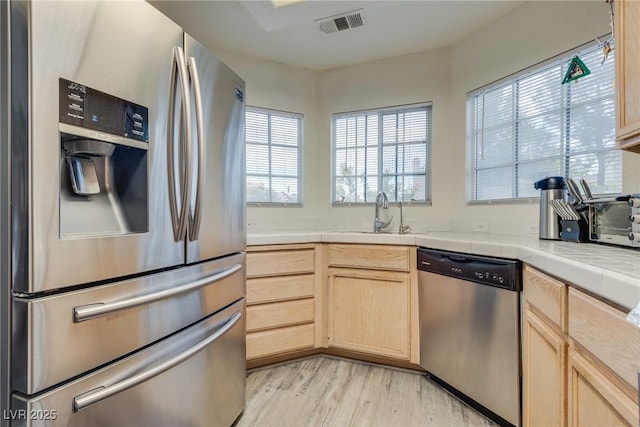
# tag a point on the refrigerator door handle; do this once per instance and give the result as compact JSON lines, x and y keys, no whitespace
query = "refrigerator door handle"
{"x":91,"y":311}
{"x":173,"y":204}
{"x":96,"y":395}
{"x":194,"y":222}
{"x":179,"y":217}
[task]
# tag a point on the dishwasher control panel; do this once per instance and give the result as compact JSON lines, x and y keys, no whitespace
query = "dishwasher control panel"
{"x":488,"y":276}
{"x":499,"y":272}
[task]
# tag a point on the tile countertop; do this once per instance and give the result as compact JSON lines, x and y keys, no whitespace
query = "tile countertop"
{"x":611,"y":272}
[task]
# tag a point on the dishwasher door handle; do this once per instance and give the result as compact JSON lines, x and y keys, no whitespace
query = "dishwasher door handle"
{"x":458,"y":259}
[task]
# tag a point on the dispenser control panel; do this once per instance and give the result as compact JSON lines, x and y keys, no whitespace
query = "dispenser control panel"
{"x":83,"y":106}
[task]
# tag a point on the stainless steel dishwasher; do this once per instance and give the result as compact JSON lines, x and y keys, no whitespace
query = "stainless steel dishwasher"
{"x":470,"y":329}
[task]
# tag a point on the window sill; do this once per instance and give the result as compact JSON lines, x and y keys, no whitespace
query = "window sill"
{"x":273,"y":205}
{"x":369,"y":204}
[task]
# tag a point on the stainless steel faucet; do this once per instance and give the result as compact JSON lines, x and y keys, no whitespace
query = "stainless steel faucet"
{"x":382,"y":201}
{"x":403,"y":228}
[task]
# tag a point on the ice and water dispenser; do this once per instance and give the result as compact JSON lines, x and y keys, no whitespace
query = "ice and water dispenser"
{"x":103,"y":163}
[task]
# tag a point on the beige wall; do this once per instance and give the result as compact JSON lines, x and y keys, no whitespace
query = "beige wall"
{"x":281,"y":87}
{"x":402,"y":80}
{"x":529,"y":34}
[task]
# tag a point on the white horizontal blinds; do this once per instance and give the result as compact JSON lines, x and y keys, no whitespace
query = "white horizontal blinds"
{"x":274,"y":141}
{"x":533,"y":126}
{"x":356,"y":157}
{"x":406,"y":140}
{"x":387,"y":150}
{"x":494,"y":150}
{"x":591,"y":136}
{"x":540,"y":120}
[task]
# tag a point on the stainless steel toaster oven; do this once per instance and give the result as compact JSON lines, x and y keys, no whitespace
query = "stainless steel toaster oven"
{"x":615,"y":220}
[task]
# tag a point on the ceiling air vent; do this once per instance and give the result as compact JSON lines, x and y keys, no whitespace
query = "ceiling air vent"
{"x":341,"y":22}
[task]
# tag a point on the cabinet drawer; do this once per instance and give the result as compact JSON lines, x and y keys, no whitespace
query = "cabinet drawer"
{"x":274,"y":341}
{"x":270,"y":289}
{"x":260,"y":264}
{"x":266,"y":316}
{"x":369,"y":257}
{"x":605,"y":333}
{"x":547,"y":295}
{"x":140,"y":389}
{"x":99,"y":339}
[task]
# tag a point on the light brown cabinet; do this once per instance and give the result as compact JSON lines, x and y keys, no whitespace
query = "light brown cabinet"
{"x":580,"y":357}
{"x":594,"y":400}
{"x":369,"y":312}
{"x":372,"y":304}
{"x":351,"y":297}
{"x":627,"y":17}
{"x":544,"y":350}
{"x":544,"y":373}
{"x":604,"y":358}
{"x":370,"y":257}
{"x":281,"y":299}
{"x":277,"y":314}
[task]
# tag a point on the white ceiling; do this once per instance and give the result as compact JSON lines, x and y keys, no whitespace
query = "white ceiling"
{"x":289,"y":34}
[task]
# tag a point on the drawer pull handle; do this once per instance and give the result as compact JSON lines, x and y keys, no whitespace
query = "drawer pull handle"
{"x":90,"y":311}
{"x":94,"y":396}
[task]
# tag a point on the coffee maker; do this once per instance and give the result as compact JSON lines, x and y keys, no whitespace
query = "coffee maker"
{"x":551,"y":188}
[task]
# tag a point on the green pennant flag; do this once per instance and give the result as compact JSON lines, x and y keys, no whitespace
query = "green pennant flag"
{"x":576,"y":70}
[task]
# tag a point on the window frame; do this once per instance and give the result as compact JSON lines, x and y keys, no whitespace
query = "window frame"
{"x":513,"y":79}
{"x":300,"y":149}
{"x":428,"y":147}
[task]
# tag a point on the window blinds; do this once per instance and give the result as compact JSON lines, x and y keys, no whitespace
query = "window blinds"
{"x":382,"y":150}
{"x":531,"y":126}
{"x":273,"y":144}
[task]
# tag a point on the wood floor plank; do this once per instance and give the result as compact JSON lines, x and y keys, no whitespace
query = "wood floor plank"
{"x":327,"y":391}
{"x":346,"y":381}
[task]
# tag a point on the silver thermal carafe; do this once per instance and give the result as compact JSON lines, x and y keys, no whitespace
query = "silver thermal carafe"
{"x":551,"y":188}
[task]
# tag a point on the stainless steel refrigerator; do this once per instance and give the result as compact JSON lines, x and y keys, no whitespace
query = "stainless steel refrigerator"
{"x":123,"y":229}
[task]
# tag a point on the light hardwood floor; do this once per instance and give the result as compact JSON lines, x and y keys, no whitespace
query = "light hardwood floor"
{"x":327,"y":391}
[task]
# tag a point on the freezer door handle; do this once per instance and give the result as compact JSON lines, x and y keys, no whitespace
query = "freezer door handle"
{"x":91,"y":311}
{"x":179,"y":217}
{"x":194,"y":220}
{"x":96,"y":395}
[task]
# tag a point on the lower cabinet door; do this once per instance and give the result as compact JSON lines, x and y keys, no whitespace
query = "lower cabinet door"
{"x":544,"y":384}
{"x":369,"y":312}
{"x":193,"y":378}
{"x":594,"y":400}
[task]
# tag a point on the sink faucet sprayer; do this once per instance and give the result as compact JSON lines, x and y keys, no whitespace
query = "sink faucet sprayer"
{"x":403,"y":228}
{"x":382,"y":201}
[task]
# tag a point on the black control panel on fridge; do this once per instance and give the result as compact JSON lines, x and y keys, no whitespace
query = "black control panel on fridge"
{"x":89,"y":108}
